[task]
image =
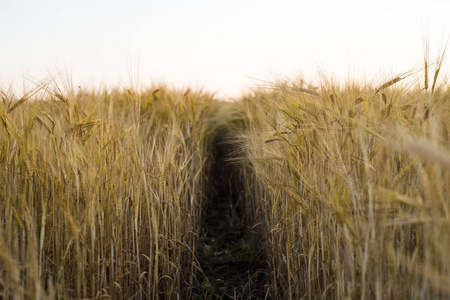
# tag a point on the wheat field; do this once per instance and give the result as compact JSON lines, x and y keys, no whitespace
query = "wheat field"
{"x":101,"y":193}
{"x":352,"y":189}
{"x":343,"y":189}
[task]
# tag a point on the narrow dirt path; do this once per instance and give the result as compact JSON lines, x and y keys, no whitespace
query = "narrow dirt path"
{"x":230,"y":260}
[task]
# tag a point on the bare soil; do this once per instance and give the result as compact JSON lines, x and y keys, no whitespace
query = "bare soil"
{"x":230,"y":258}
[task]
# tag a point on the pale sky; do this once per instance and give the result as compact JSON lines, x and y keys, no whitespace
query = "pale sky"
{"x":223,"y":46}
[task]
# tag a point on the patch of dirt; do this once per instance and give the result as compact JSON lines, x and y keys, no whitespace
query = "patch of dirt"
{"x":230,"y":260}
